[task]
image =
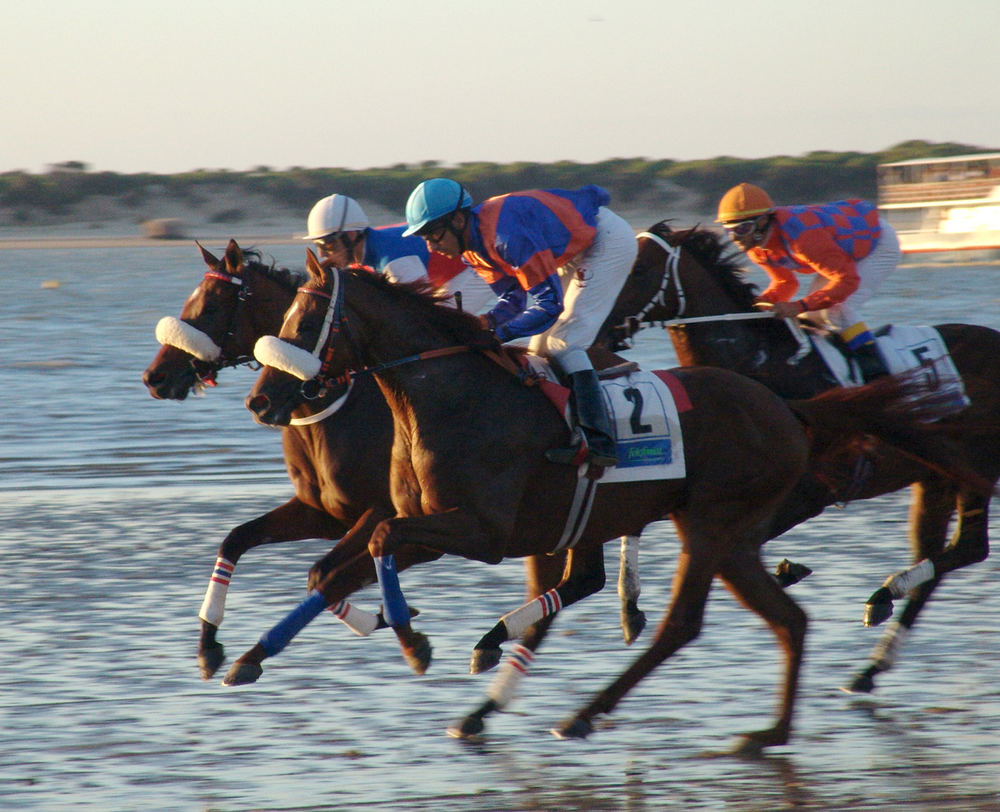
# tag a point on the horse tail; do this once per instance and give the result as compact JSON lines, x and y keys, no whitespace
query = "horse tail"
{"x":903,"y":412}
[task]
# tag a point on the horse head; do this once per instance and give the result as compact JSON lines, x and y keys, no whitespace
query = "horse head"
{"x":343,"y":322}
{"x":294,"y":360}
{"x":238,"y":300}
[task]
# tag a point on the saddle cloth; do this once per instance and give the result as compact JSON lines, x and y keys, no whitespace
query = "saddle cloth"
{"x":643,"y":408}
{"x":903,"y":348}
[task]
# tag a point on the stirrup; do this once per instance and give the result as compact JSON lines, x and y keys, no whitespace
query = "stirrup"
{"x":580,"y":454}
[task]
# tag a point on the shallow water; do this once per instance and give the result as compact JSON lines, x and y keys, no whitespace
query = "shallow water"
{"x":112,"y":508}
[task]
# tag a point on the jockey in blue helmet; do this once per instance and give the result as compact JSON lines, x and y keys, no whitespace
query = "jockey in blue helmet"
{"x":567,"y":250}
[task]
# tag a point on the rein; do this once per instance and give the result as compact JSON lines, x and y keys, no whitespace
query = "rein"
{"x":314,"y":387}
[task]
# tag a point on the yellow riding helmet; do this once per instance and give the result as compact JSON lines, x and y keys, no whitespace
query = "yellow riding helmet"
{"x":743,"y":202}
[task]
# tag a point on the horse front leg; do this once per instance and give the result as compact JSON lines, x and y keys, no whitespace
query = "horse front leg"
{"x":354,"y":573}
{"x":454,"y":531}
{"x":970,"y":545}
{"x":633,"y":619}
{"x":292,"y":521}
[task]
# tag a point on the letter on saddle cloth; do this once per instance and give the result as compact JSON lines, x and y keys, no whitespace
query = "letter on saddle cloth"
{"x":643,"y":409}
{"x":903,"y":348}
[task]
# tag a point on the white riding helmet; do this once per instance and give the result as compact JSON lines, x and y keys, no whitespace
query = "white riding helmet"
{"x":334,"y":214}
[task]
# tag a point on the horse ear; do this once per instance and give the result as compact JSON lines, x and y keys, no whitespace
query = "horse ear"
{"x":313,"y":267}
{"x":210,"y":259}
{"x":234,"y":257}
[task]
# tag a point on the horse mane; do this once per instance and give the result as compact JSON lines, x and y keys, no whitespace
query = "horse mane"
{"x":423,"y":296}
{"x":718,"y":258}
{"x":288,"y":278}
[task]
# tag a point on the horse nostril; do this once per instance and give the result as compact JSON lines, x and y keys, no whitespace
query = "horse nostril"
{"x":152,"y":378}
{"x":257,"y":404}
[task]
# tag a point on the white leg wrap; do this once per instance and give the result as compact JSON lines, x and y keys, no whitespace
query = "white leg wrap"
{"x":359,"y":621}
{"x":508,"y":678}
{"x":214,"y":605}
{"x":518,"y":621}
{"x":628,"y":571}
{"x":889,"y":645}
{"x":902,"y":582}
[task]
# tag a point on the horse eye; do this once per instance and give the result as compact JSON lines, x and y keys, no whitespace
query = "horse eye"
{"x":639,"y":269}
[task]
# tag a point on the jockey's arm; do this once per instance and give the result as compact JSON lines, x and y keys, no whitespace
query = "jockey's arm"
{"x":819,"y":251}
{"x":548,"y":305}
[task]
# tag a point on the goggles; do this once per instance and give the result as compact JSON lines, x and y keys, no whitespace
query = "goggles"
{"x":743,"y":228}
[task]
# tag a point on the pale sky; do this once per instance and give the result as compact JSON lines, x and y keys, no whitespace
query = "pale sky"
{"x":133,"y":86}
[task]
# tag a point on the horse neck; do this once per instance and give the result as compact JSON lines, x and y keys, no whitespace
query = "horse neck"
{"x":724,"y":343}
{"x":265,"y":307}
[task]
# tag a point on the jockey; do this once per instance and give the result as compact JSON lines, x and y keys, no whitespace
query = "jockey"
{"x":340,"y":230}
{"x":849,"y":248}
{"x":565,"y":249}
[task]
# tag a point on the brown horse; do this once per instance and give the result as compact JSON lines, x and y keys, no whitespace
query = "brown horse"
{"x":469,"y":476}
{"x":684,"y":277}
{"x":339,"y":466}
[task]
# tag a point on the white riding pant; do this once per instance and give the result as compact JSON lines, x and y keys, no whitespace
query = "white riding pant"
{"x":591,"y":282}
{"x":873,"y":270}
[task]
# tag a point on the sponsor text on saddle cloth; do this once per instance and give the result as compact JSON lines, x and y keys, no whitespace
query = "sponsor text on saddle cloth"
{"x":903,"y":348}
{"x":643,"y":409}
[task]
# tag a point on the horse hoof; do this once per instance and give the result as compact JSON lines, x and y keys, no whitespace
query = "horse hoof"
{"x":210,"y":659}
{"x":470,"y":728}
{"x":483,"y":659}
{"x":242,"y":674}
{"x":788,"y":573}
{"x":632,"y":625}
{"x":879,"y":607}
{"x":863,"y":683}
{"x":418,"y":656}
{"x":747,"y":746}
{"x":576,"y":728}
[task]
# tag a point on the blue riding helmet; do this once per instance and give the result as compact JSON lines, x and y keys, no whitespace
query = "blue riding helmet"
{"x":433,"y":199}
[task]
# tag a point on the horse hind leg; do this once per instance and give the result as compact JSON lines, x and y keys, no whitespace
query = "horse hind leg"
{"x":680,"y":626}
{"x":930,"y":513}
{"x":745,"y":576}
{"x":584,"y":576}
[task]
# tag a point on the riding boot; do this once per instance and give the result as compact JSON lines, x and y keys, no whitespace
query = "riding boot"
{"x":869,"y":362}
{"x":592,"y":419}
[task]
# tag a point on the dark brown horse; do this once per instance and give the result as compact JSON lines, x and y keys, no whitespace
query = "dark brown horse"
{"x":686,"y":276}
{"x":469,"y":476}
{"x":339,"y":466}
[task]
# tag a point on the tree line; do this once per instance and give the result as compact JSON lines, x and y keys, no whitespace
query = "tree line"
{"x":812,"y":177}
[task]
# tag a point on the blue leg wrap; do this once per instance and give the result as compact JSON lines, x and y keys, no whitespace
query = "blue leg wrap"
{"x":394,"y":608}
{"x":295,"y":621}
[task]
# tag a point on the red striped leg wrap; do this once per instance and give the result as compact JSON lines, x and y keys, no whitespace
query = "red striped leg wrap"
{"x":214,"y":605}
{"x":513,"y":669}
{"x":518,"y":621}
{"x":359,"y":621}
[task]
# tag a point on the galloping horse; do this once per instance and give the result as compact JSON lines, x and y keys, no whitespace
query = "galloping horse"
{"x":469,"y":476}
{"x":339,"y":465}
{"x":686,"y":277}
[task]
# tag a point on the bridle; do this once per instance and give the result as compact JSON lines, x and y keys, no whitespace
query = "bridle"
{"x":313,"y":367}
{"x":208,"y":357}
{"x":671,"y":263}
